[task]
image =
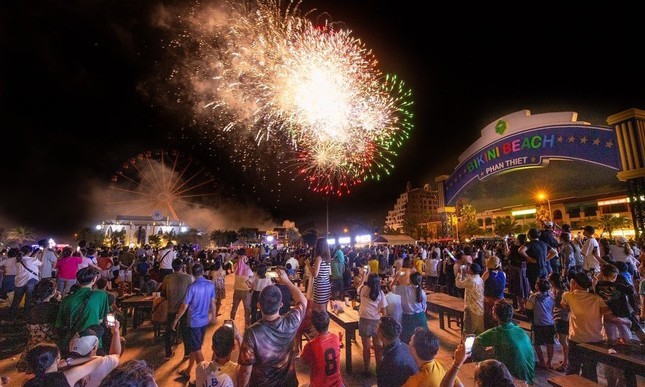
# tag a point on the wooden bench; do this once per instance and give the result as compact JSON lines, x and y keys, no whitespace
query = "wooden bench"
{"x":571,"y":380}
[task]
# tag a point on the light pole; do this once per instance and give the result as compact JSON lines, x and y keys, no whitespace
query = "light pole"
{"x":542,"y":196}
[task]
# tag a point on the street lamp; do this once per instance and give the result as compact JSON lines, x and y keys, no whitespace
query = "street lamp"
{"x":542,"y":196}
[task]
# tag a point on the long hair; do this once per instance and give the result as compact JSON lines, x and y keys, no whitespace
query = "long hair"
{"x":374,"y":283}
{"x":415,"y":280}
{"x":322,"y":250}
{"x":41,"y":357}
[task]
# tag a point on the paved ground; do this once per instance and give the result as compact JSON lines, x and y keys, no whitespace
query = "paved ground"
{"x":142,"y":345}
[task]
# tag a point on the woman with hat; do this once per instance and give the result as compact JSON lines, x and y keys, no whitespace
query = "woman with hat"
{"x":494,"y":284}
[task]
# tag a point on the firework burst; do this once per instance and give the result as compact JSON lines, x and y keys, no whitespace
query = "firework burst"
{"x":314,"y":90}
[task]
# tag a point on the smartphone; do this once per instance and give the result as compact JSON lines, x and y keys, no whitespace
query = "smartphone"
{"x":468,"y":343}
{"x":109,"y":320}
{"x":228,"y":323}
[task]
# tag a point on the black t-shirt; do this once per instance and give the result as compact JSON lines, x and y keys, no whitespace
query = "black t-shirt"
{"x":514,"y":257}
{"x":618,"y":297}
{"x":52,"y":379}
{"x":537,"y":250}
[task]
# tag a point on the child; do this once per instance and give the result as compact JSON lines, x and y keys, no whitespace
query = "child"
{"x":540,"y":309}
{"x":620,"y":299}
{"x":291,"y":273}
{"x":323,"y":353}
{"x":561,"y":318}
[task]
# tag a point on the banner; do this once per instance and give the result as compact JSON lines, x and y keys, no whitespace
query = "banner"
{"x":533,"y":148}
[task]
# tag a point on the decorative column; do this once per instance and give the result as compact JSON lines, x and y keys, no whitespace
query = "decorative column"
{"x":630,"y":133}
{"x":446,"y":214}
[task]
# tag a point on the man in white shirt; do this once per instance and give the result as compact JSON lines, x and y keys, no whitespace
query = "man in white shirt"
{"x":165,"y":258}
{"x":86,"y":346}
{"x":590,"y":250}
{"x":393,"y":307}
{"x":585,"y":324}
{"x":47,"y":257}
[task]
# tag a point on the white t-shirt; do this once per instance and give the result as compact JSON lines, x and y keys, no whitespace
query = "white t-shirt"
{"x":212,"y":374}
{"x":257,"y":283}
{"x":587,"y":251}
{"x":394,"y":307}
{"x":432,"y":267}
{"x":293,"y":262}
{"x":22,"y":274}
{"x":9,"y":265}
{"x":585,"y":318}
{"x":165,"y":258}
{"x":108,"y":363}
{"x":370,"y":309}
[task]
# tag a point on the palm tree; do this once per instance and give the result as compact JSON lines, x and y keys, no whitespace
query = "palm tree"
{"x":310,"y":235}
{"x":609,"y":223}
{"x":20,"y":235}
{"x":293,"y":236}
{"x":506,"y":226}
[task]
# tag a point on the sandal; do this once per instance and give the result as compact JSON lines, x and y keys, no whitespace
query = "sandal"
{"x":560,"y":368}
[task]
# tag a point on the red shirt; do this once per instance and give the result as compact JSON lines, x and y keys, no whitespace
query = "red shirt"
{"x":323,"y":354}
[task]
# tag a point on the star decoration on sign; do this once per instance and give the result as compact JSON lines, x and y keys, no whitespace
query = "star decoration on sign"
{"x":572,"y":139}
{"x":596,"y":141}
{"x":609,"y":144}
{"x":533,"y":159}
{"x":583,"y":139}
{"x":560,"y":139}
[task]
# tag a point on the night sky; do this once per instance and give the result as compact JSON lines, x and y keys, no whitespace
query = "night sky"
{"x":80,"y":85}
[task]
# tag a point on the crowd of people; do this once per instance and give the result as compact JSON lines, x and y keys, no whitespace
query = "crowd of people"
{"x":575,"y":289}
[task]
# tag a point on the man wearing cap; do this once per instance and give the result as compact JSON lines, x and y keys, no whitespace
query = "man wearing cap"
{"x":473,"y":298}
{"x":266,"y":356}
{"x":85,"y":345}
{"x":585,"y":324}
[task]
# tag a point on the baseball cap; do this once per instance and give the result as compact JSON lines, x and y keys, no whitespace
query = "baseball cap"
{"x":83,"y":345}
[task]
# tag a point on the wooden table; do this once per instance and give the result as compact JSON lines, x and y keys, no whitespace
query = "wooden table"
{"x":348,"y":320}
{"x":446,"y":306}
{"x":630,"y":358}
{"x":134,"y":302}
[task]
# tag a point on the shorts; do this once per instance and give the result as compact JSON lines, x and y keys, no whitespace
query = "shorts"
{"x":367,"y":327}
{"x":562,"y":327}
{"x":195,"y":339}
{"x":544,"y":334}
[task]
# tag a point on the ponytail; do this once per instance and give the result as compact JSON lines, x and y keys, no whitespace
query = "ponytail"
{"x":415,"y":280}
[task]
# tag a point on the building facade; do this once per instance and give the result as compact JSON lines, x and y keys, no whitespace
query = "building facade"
{"x":414,"y":206}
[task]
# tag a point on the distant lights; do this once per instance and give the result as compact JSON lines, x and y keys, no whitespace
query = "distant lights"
{"x":363,"y":238}
{"x":98,"y":227}
{"x":524,"y":212}
{"x":344,"y":240}
{"x":183,"y":229}
{"x":270,"y":238}
{"x":331,"y":241}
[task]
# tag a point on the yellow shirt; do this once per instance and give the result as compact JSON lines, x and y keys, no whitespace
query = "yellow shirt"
{"x":373,"y":263}
{"x":419,"y":266}
{"x":429,"y":375}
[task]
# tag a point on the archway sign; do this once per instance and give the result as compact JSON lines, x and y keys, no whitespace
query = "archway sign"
{"x":521,"y":140}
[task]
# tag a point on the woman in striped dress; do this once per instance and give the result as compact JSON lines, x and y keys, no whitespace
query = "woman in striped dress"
{"x":321,"y":272}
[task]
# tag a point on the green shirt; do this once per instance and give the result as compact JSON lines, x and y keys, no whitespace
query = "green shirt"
{"x":93,"y":314}
{"x":512,"y":347}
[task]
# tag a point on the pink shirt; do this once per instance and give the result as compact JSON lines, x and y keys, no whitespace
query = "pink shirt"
{"x":67,"y":267}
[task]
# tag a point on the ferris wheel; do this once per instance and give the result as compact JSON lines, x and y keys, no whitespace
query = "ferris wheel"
{"x":162,"y":184}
